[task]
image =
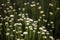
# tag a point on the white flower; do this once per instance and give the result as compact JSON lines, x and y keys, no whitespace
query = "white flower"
{"x":47,"y":33}
{"x":22,"y":39}
{"x":40,"y":17}
{"x":6,"y":23}
{"x":25,"y":32}
{"x":48,"y":24}
{"x":18,"y":39}
{"x":38,"y":32}
{"x":1,"y":24}
{"x":43,"y":33}
{"x":35,"y":28}
{"x":58,"y":8}
{"x":8,"y":29}
{"x":43,"y":27}
{"x":39,"y":20}
{"x":43,"y":15}
{"x":25,"y":3}
{"x":23,"y":9}
{"x":11,"y":15}
{"x":50,"y":4}
{"x":8,"y":2}
{"x":37,"y":3}
{"x":32,"y":5}
{"x":26,"y":27}
{"x":44,"y":36}
{"x":19,"y":8}
{"x":14,"y":30}
{"x":14,"y":3}
{"x":28,"y":3}
{"x":33,"y":1}
{"x":51,"y":22}
{"x":11,"y":7}
{"x":44,"y":20}
{"x":34,"y":31}
{"x":45,"y":30}
{"x":5,"y":11}
{"x":7,"y":33}
{"x":41,"y":11}
{"x":51,"y":13}
{"x":39,"y":7}
{"x":30,"y":26}
{"x":51,"y":37}
{"x":30,"y":19}
{"x":2,"y":4}
{"x":27,"y":23}
{"x":14,"y":10}
{"x":40,"y":28}
{"x":11,"y":35}
{"x":21,"y":34}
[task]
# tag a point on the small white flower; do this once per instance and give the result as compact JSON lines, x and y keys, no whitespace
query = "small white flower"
{"x":14,"y":3}
{"x":14,"y":30}
{"x":2,"y":4}
{"x":32,"y":5}
{"x":28,"y":3}
{"x":31,"y":20}
{"x":8,"y":2}
{"x":41,"y":12}
{"x":50,"y":4}
{"x":33,"y":1}
{"x":47,"y":33}
{"x":51,"y":22}
{"x":18,"y":39}
{"x":34,"y":31}
{"x":58,"y":8}
{"x":44,"y":20}
{"x":19,"y":8}
{"x":39,"y":7}
{"x":11,"y":15}
{"x":51,"y":13}
{"x":21,"y":34}
{"x":37,"y":3}
{"x":7,"y":8}
{"x":35,"y":28}
{"x":19,"y":14}
{"x":11,"y":7}
{"x":43,"y":33}
{"x":43,"y":27}
{"x":48,"y":24}
{"x":45,"y":30}
{"x":30,"y":26}
{"x":39,"y":20}
{"x":43,"y":15}
{"x":7,"y":33}
{"x":23,"y":9}
{"x":51,"y":37}
{"x":11,"y":35}
{"x":40,"y":17}
{"x":6,"y":23}
{"x":22,"y":39}
{"x":8,"y":29}
{"x":25,"y":3}
{"x":1,"y":24}
{"x":14,"y":10}
{"x":44,"y":36}
{"x":27,"y":23}
{"x":25,"y":32}
{"x":40,"y":28}
{"x":38,"y":32}
{"x":5,"y":11}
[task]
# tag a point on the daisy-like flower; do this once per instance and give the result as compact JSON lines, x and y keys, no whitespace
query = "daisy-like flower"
{"x":25,"y":32}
